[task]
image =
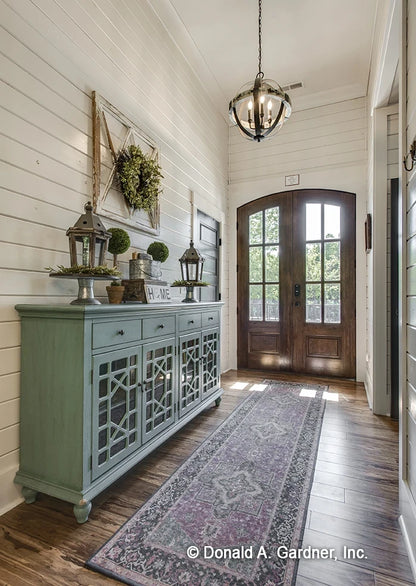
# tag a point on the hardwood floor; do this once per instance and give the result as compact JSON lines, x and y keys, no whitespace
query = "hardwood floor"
{"x":354,"y":500}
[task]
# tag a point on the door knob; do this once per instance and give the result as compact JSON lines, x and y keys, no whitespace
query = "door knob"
{"x":297,"y":290}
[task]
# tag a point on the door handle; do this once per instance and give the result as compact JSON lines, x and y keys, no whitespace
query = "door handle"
{"x":297,"y":290}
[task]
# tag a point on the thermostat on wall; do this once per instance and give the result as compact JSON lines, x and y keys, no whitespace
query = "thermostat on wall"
{"x":292,"y":180}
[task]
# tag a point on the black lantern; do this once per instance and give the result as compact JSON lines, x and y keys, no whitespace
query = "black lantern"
{"x":90,"y":232}
{"x":192,"y":264}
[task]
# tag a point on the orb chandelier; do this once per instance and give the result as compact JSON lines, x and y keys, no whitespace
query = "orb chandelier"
{"x":260,"y":108}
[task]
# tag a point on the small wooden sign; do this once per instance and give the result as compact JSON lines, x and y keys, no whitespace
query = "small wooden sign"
{"x":146,"y":291}
{"x":157,"y":293}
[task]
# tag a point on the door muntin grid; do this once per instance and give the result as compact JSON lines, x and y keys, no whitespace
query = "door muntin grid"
{"x":210,"y":360}
{"x":323,"y":263}
{"x":190,"y":372}
{"x":116,"y":408}
{"x":158,"y":387}
{"x":263,"y":265}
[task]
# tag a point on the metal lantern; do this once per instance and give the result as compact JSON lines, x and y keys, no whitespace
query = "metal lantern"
{"x":90,"y":232}
{"x":192,"y":264}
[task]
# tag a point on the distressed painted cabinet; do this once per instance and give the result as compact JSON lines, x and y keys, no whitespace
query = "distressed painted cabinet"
{"x":104,"y":385}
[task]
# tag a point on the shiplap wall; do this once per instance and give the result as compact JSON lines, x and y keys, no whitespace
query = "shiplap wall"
{"x":408,"y":391}
{"x":53,"y":54}
{"x":327,"y":147}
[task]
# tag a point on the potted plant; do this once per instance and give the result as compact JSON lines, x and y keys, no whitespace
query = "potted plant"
{"x":115,"y":292}
{"x":159,"y":253}
{"x":118,"y":243}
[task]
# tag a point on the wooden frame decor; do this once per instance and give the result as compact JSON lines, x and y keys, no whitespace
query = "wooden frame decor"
{"x":114,"y":134}
{"x":368,"y":233}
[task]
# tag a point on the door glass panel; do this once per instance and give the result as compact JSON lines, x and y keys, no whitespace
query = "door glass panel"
{"x":272,"y":264}
{"x":256,"y":302}
{"x":313,"y":221}
{"x":272,"y":303}
{"x":332,"y":261}
{"x":332,"y":311}
{"x":272,"y":225}
{"x":256,"y":228}
{"x":313,"y":303}
{"x":256,"y":264}
{"x":313,"y":262}
{"x":263,"y":261}
{"x":332,"y":221}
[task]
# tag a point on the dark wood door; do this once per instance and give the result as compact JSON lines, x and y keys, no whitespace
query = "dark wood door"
{"x":208,"y":242}
{"x":296,"y":283}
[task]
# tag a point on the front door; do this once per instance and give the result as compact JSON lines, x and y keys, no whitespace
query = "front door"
{"x":296,"y":283}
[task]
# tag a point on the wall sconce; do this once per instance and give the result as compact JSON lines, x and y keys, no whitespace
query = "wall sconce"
{"x":412,"y":155}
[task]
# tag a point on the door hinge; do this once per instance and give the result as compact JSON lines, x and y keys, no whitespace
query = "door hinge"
{"x":90,"y":463}
{"x":236,"y":225}
{"x":219,"y":296}
{"x":237,"y":268}
{"x":219,"y":241}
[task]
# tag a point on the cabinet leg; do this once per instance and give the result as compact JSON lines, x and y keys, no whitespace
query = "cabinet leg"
{"x":218,"y":402}
{"x":82,"y":510}
{"x":29,"y":495}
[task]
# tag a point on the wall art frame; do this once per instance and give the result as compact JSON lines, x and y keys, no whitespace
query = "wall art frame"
{"x":113,"y":131}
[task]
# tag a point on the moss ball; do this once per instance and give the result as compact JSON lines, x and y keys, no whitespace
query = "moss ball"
{"x":158,"y":251}
{"x":119,"y":241}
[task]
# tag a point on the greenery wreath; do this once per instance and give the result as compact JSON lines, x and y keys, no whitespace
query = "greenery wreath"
{"x":139,"y":175}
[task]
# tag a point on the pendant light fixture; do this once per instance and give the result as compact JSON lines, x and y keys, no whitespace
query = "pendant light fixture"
{"x":260,"y":109}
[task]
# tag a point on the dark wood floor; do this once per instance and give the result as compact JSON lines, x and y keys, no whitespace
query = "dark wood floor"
{"x":354,"y":501}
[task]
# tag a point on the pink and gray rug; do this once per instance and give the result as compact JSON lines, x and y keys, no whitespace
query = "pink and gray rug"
{"x":232,"y":510}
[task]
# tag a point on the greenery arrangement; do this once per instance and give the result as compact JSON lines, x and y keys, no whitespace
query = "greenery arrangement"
{"x":158,"y":251}
{"x":115,"y":284}
{"x":180,"y":283}
{"x":118,"y":243}
{"x":85,"y":270}
{"x":139,"y":177}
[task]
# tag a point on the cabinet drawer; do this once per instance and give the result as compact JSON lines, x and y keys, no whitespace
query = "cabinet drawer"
{"x":158,"y":326}
{"x":115,"y":332}
{"x":211,"y":318}
{"x":190,"y":321}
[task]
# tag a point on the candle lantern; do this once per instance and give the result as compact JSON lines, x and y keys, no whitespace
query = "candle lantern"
{"x":92,"y":238}
{"x":192,"y":264}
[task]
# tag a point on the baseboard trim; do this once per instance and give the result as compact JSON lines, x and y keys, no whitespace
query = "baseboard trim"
{"x":409,"y":549}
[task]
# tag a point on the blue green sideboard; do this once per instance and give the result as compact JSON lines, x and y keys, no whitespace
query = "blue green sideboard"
{"x":104,"y":385}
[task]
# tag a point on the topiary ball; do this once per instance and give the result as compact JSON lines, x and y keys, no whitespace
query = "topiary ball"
{"x":119,"y":241}
{"x":158,"y":251}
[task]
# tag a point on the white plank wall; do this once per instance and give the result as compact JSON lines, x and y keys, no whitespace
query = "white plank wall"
{"x":327,"y":147}
{"x":53,"y":54}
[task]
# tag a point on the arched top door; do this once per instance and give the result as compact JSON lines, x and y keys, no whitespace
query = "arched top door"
{"x":296,"y":282}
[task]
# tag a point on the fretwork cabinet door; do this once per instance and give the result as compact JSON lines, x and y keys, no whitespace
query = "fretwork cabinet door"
{"x":116,"y":407}
{"x":190,"y":356}
{"x":210,"y":375}
{"x":158,"y":387}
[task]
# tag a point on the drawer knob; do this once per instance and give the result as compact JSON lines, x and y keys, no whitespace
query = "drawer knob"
{"x":161,"y":326}
{"x":120,"y":332}
{"x":210,"y":318}
{"x":191,"y":321}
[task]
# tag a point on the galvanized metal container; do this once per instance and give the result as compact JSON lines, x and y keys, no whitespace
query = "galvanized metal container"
{"x":144,"y":267}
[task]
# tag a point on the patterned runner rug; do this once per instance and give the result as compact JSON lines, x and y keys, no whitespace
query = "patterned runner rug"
{"x":231,"y":513}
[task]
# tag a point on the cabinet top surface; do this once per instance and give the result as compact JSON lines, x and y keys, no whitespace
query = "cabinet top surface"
{"x":106,"y":309}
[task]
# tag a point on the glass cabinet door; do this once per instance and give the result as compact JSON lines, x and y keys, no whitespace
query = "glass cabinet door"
{"x":158,"y":387}
{"x":190,"y":356}
{"x":210,"y":361}
{"x":116,"y":408}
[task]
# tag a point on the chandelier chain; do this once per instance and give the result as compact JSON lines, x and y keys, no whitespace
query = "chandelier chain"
{"x":260,"y":71}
